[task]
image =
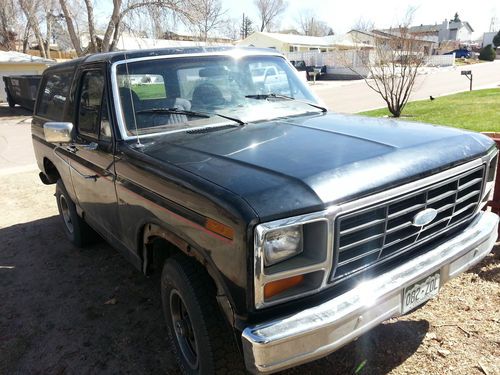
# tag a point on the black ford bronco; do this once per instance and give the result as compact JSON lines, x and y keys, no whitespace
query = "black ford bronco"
{"x":281,"y":231}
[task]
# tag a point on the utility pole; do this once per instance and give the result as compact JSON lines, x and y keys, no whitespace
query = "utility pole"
{"x":243,"y":27}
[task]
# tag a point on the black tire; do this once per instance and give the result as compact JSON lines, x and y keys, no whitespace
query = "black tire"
{"x":203,"y":326}
{"x":10,"y":101}
{"x":75,"y":228}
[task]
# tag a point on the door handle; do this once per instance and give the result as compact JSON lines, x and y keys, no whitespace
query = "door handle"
{"x":71,"y":148}
{"x":92,"y":146}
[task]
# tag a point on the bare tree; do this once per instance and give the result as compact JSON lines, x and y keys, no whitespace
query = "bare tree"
{"x":120,"y":11}
{"x":73,"y":35}
{"x":363,"y":25}
{"x":310,"y":25}
{"x":269,"y":10}
{"x":231,"y":29}
{"x":205,"y":16}
{"x":393,"y":65}
{"x":31,"y":10}
{"x":9,"y":24}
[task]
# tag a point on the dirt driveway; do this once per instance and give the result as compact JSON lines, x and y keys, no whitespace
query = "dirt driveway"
{"x":65,"y":310}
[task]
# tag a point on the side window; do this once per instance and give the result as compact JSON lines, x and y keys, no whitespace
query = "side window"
{"x":89,"y":108}
{"x":55,"y":92}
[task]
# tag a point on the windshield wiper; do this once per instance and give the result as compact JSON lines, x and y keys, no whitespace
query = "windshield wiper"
{"x":177,"y":111}
{"x":174,"y":111}
{"x":273,"y":95}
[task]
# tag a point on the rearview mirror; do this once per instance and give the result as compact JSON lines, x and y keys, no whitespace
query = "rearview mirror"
{"x":58,"y":132}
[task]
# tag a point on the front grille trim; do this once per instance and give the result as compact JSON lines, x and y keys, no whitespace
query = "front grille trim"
{"x":422,"y":236}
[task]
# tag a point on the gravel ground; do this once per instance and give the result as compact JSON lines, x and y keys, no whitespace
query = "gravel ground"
{"x":65,"y":310}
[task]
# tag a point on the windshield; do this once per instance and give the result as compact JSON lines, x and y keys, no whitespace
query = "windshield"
{"x":161,"y":95}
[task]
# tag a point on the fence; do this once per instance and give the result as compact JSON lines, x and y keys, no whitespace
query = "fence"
{"x":54,"y":54}
{"x":330,"y":59}
{"x":440,"y":60}
{"x":349,"y":62}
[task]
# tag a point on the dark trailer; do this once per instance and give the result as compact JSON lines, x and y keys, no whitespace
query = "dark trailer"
{"x":22,"y":90}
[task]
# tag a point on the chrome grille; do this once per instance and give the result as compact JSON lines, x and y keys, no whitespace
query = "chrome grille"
{"x":367,"y":237}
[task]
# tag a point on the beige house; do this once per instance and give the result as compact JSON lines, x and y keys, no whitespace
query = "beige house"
{"x":370,"y":38}
{"x":289,"y":42}
{"x":16,"y":63}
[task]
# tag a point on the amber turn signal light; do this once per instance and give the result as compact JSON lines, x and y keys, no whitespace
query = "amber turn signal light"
{"x":276,"y":287}
{"x":219,"y":228}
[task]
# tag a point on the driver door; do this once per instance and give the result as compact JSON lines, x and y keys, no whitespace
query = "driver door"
{"x":92,"y":153}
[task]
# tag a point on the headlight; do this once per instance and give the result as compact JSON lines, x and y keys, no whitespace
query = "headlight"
{"x":282,"y":244}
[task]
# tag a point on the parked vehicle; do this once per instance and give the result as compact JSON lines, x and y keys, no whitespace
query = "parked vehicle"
{"x":270,"y":79}
{"x":460,"y":53}
{"x":22,"y":90}
{"x":311,"y":70}
{"x":281,"y":231}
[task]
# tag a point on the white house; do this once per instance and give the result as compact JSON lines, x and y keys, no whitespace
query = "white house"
{"x":488,"y":38}
{"x":461,"y":31}
{"x":448,"y":30}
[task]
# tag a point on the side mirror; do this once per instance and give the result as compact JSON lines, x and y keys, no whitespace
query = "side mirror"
{"x":58,"y":132}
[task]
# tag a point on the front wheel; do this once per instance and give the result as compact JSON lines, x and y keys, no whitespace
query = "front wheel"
{"x":201,"y":337}
{"x":75,"y":228}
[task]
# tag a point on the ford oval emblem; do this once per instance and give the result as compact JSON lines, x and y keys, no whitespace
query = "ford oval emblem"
{"x":424,"y":217}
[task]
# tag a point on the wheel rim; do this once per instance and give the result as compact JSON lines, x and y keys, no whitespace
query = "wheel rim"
{"x":65,"y":213}
{"x":183,"y":329}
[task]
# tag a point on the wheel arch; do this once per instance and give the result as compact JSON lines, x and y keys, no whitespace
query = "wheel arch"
{"x":158,"y":244}
{"x":50,"y":172}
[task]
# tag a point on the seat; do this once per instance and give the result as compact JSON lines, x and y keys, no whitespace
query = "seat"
{"x":180,"y":104}
{"x":146,"y":120}
{"x":207,"y":96}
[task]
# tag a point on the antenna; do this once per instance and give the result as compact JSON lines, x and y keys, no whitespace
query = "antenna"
{"x":138,"y":143}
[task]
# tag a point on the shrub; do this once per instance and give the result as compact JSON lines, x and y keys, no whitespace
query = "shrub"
{"x":487,"y":53}
{"x":496,"y":40}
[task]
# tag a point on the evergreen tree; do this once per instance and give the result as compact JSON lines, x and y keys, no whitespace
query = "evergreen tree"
{"x":496,"y":40}
{"x":487,"y":53}
{"x":246,"y":27}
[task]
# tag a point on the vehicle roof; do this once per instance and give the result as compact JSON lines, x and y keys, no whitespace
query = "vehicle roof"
{"x":112,"y":57}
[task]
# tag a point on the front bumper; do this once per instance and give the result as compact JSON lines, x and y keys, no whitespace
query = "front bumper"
{"x":313,"y":333}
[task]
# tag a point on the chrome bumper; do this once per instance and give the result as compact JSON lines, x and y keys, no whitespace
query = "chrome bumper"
{"x":313,"y":333}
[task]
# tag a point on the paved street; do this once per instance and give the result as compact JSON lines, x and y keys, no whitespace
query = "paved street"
{"x":16,"y":151}
{"x":355,"y":96}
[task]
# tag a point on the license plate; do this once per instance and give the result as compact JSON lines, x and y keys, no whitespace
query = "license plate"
{"x":420,"y":292}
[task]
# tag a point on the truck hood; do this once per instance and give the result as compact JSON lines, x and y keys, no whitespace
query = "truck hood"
{"x":290,"y":166}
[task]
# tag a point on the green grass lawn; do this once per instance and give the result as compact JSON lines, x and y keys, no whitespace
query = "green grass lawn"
{"x":149,"y":91}
{"x":475,"y":110}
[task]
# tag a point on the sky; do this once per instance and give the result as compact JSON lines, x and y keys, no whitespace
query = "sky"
{"x":341,"y":15}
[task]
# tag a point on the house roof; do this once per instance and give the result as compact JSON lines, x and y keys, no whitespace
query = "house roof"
{"x":132,"y":43}
{"x":425,"y":29}
{"x":388,"y":34}
{"x":458,"y":25}
{"x":435,"y":28}
{"x":342,"y":40}
{"x":9,"y":57}
{"x":297,"y":39}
